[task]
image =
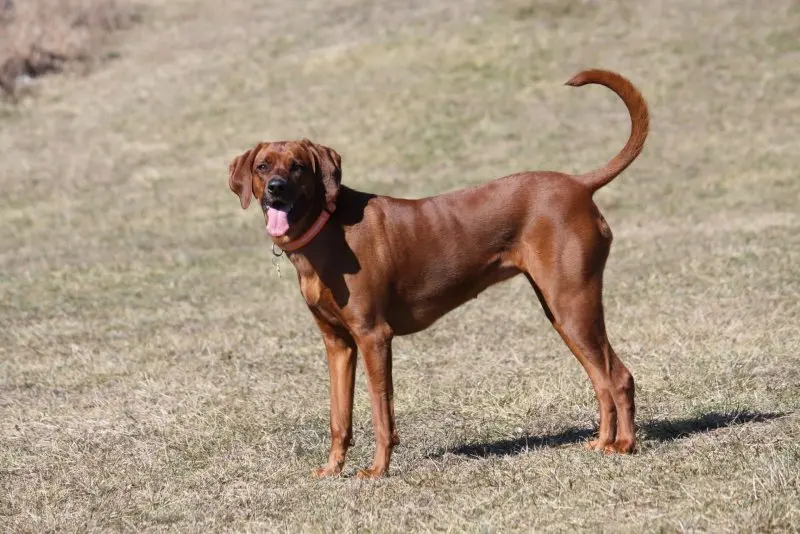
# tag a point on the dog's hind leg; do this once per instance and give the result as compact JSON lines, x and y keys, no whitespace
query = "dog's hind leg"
{"x":570,"y":291}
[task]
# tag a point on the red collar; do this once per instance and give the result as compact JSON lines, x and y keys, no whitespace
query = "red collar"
{"x":312,"y":232}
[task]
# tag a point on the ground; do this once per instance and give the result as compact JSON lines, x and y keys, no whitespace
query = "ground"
{"x":157,"y":374}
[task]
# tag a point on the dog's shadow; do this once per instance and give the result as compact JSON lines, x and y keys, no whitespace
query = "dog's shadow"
{"x":659,"y":430}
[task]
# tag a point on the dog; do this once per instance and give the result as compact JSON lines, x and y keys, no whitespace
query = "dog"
{"x":371,"y":267}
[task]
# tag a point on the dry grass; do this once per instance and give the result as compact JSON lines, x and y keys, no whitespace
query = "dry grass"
{"x":156,"y":374}
{"x":40,"y":36}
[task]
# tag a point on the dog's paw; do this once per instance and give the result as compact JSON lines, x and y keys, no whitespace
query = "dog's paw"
{"x":326,"y":472}
{"x":620,"y":447}
{"x":372,"y":472}
{"x":597,"y":445}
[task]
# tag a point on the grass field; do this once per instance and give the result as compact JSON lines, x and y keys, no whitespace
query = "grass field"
{"x":39,"y":37}
{"x":157,"y":374}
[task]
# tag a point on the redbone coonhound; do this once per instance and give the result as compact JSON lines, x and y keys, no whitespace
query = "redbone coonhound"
{"x":372,"y":267}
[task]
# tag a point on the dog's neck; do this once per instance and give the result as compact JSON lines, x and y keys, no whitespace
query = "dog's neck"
{"x":330,"y":244}
{"x":316,"y":227}
{"x":307,"y":227}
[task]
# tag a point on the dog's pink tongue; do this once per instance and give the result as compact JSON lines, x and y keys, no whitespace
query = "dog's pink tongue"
{"x":277,"y":222}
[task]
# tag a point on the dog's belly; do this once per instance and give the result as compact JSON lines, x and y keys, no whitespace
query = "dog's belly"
{"x":411,"y":311}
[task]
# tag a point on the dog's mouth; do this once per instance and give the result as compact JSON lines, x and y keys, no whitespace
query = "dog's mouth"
{"x":280,"y":205}
{"x":281,"y":213}
{"x":276,"y":216}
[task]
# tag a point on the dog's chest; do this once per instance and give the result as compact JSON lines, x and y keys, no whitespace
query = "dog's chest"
{"x":316,"y":292}
{"x":319,"y":299}
{"x":312,"y":289}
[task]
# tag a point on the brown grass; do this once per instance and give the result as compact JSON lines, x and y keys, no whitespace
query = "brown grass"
{"x":156,"y":374}
{"x":41,"y":36}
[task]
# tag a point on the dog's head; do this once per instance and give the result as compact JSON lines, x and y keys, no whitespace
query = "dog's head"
{"x":290,"y":179}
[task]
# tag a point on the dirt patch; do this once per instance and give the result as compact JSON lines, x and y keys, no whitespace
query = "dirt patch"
{"x":39,"y":37}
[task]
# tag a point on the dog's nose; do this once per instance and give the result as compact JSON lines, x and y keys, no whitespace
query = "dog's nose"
{"x":277,"y":187}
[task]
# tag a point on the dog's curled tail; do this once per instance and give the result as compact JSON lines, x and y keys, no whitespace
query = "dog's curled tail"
{"x":640,"y":123}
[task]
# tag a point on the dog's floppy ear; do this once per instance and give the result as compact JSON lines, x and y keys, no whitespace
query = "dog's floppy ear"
{"x":240,"y":175}
{"x":327,"y":164}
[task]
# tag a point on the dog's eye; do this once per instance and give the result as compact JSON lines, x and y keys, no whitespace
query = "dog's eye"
{"x":297,"y":167}
{"x":263,"y":167}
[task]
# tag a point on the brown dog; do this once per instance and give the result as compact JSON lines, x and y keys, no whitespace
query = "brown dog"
{"x":373,"y":267}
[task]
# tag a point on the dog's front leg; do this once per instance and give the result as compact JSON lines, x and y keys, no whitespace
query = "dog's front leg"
{"x":376,"y":348}
{"x":341,"y":350}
